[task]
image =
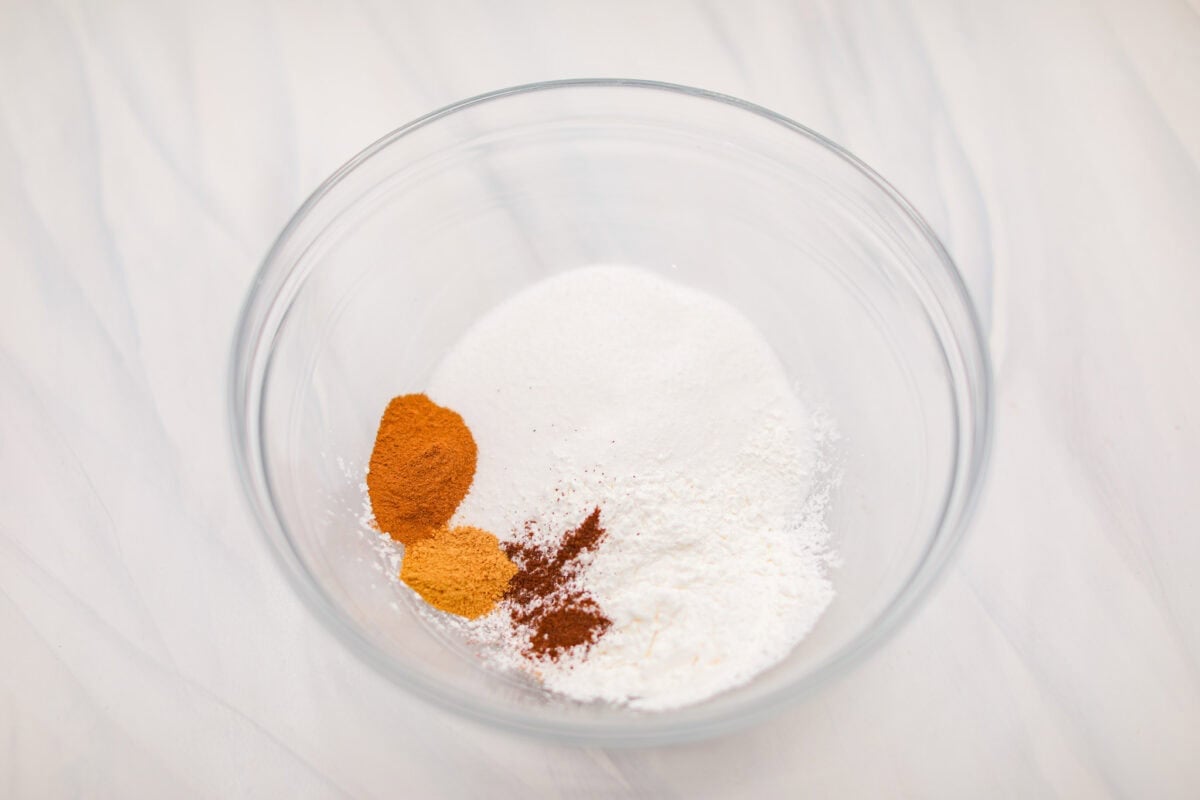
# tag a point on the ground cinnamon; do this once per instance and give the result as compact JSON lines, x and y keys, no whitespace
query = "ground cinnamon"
{"x":421,"y":467}
{"x":543,"y":595}
{"x":567,"y":623}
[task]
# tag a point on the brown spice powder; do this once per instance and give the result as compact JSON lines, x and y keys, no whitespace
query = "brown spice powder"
{"x":421,"y":467}
{"x":542,"y":597}
{"x":574,"y":621}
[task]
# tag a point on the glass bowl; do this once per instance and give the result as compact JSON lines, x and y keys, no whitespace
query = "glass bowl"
{"x":403,"y":248}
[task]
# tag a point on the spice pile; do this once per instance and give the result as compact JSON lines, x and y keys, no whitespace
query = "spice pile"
{"x":546,"y":595}
{"x":420,"y":470}
{"x":630,"y":506}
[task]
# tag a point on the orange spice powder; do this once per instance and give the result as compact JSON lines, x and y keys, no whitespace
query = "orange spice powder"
{"x":421,"y":467}
{"x":460,"y":570}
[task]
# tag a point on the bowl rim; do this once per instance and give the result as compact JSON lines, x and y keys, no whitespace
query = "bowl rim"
{"x":249,"y":367}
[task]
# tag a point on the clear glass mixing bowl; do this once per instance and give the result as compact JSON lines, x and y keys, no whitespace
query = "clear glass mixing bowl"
{"x":393,"y":258}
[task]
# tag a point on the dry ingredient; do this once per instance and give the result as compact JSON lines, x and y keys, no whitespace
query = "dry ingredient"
{"x":545,"y":594}
{"x":459,"y":570}
{"x":421,"y":467}
{"x":609,"y":388}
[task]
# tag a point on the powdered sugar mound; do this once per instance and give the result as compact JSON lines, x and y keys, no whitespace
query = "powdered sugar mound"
{"x":609,"y":387}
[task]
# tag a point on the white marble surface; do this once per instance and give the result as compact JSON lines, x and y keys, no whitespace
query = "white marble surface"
{"x":150,"y":151}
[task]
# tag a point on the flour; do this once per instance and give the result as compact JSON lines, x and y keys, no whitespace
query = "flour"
{"x":610,"y":387}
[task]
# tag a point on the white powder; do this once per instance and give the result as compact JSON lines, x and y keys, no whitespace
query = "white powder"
{"x":610,"y":387}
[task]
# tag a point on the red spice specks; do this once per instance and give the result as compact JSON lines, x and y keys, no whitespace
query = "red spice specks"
{"x":542,"y":596}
